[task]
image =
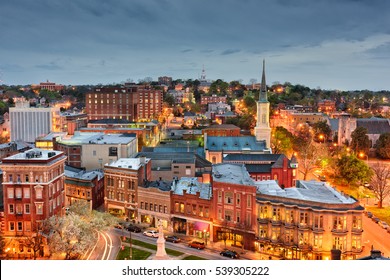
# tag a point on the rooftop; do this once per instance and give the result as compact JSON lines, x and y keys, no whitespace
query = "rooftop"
{"x":82,"y":174}
{"x":192,"y":186}
{"x":35,"y":155}
{"x":306,"y":190}
{"x":132,"y":163}
{"x":97,"y":138}
{"x":232,"y":173}
{"x":229,"y":143}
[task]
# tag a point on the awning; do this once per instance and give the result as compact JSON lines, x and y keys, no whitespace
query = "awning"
{"x":201,"y":226}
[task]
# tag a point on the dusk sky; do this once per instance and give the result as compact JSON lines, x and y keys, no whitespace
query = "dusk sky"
{"x":331,"y":44}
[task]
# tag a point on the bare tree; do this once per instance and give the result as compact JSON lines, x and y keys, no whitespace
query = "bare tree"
{"x":35,"y":243}
{"x":380,"y":182}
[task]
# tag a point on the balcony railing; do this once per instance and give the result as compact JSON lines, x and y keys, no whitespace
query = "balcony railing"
{"x":263,"y":220}
{"x":357,"y":230}
{"x":357,"y":250}
{"x":290,"y":224}
{"x":341,"y":231}
{"x":276,"y":222}
{"x":303,"y":226}
{"x":318,"y":230}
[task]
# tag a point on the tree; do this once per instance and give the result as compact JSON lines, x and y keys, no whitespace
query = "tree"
{"x":360,"y":141}
{"x":76,"y":232}
{"x":380,"y":182}
{"x":383,"y":146}
{"x":308,"y":156}
{"x":169,"y":99}
{"x":35,"y":243}
{"x":2,"y":246}
{"x":282,"y":141}
{"x":308,"y":153}
{"x":219,"y":87}
{"x":321,"y":128}
{"x":353,"y":170}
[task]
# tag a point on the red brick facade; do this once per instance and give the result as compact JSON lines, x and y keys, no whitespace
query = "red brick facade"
{"x":33,"y":191}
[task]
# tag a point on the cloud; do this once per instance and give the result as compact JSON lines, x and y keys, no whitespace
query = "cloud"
{"x":186,"y":50}
{"x":50,"y":66}
{"x":230,"y":51}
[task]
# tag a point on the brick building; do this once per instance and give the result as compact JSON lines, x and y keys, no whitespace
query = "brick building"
{"x":84,"y":185}
{"x":234,"y":201}
{"x":204,"y":100}
{"x":33,"y":188}
{"x":122,"y":179}
{"x":263,"y":167}
{"x":154,"y":203}
{"x":112,"y":103}
{"x":191,"y":204}
{"x":326,"y":106}
{"x":222,"y":130}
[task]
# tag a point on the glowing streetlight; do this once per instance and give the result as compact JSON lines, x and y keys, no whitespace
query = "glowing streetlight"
{"x":322,"y":138}
{"x":363,"y":155}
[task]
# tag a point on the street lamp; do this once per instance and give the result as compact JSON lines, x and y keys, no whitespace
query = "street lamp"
{"x":363,"y":155}
{"x":322,"y":138}
{"x":205,"y":236}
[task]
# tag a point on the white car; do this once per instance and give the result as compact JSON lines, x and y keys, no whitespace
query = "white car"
{"x":151,"y":233}
{"x":383,"y":224}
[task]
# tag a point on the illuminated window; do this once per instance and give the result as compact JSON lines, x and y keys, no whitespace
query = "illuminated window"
{"x":263,"y":212}
{"x":228,"y":197}
{"x":11,"y":209}
{"x":39,"y":208}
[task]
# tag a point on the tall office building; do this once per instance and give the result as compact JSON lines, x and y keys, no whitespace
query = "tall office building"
{"x":112,"y":103}
{"x":27,"y":123}
{"x":131,"y":103}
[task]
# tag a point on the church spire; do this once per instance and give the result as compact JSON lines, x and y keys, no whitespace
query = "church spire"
{"x":263,"y":86}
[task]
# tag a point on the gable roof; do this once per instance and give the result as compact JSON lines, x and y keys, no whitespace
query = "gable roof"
{"x":374,"y":125}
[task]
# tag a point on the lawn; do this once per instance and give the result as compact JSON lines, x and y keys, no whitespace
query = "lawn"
{"x":137,"y":254}
{"x":381,"y":213}
{"x":192,"y":257}
{"x":153,"y":247}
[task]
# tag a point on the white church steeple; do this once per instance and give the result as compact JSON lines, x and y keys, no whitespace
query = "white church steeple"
{"x":262,"y":129}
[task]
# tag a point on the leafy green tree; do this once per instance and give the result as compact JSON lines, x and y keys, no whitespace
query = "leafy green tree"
{"x":383,"y":146}
{"x":219,"y":87}
{"x":247,"y":122}
{"x":353,"y":170}
{"x":169,"y":99}
{"x":321,"y":129}
{"x":282,"y":141}
{"x":250,"y":104}
{"x":360,"y":141}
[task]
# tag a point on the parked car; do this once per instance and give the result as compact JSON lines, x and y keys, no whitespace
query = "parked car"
{"x":133,"y":228}
{"x":369,"y":214}
{"x":118,"y":226}
{"x":197,"y":245}
{"x":173,"y":239}
{"x":375,"y":219}
{"x":322,"y":178}
{"x":383,"y":224}
{"x":151,"y":233}
{"x":229,"y":254}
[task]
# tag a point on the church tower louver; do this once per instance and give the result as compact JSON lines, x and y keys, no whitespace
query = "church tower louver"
{"x":262,"y":129}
